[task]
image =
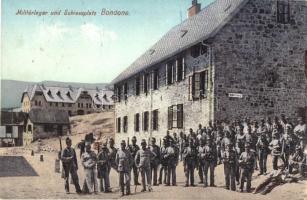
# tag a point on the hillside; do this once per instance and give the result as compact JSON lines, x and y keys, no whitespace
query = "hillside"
{"x":11,"y":90}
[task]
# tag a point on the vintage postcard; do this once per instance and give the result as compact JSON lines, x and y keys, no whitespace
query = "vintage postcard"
{"x":153,"y":99}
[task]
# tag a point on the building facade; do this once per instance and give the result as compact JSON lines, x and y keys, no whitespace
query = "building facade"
{"x":41,"y":123}
{"x":232,"y":59}
{"x":75,"y":101}
{"x":11,"y":128}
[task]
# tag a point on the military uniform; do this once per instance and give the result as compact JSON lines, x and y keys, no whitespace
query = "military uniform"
{"x":189,"y":162}
{"x":142,"y":160}
{"x":240,"y":140}
{"x":263,"y":151}
{"x":164,"y":164}
{"x":133,"y":149}
{"x":210,"y":157}
{"x":103,"y":166}
{"x":89,"y":160}
{"x":112,"y":155}
{"x":297,"y":161}
{"x":286,"y":142}
{"x":301,"y":133}
{"x":155,"y":161}
{"x":246,"y":163}
{"x":70,"y":165}
{"x":275,"y":147}
{"x":124,"y":162}
{"x":172,"y":160}
{"x":229,"y":157}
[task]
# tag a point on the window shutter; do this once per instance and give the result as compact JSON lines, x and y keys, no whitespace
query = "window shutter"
{"x":174,"y":124}
{"x":196,"y":81}
{"x":170,"y":118}
{"x":190,"y":88}
{"x":180,"y":116}
{"x":173,"y":72}
{"x":183,"y":68}
{"x":176,"y":69}
{"x":135,"y":123}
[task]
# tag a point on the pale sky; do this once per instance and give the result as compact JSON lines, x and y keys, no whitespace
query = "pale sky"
{"x":92,"y":49}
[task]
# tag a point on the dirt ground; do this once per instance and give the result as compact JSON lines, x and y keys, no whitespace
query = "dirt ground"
{"x":45,"y":183}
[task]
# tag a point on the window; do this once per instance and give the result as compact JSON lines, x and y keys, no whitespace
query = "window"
{"x":306,"y":64}
{"x":125,"y":124}
{"x":69,"y":113}
{"x":90,"y":105}
{"x":29,"y":128}
{"x":81,"y":105}
{"x":8,"y":129}
{"x":169,"y":73}
{"x":155,"y":119}
{"x":198,"y":85}
{"x":146,"y":83}
{"x":180,"y":69}
{"x":283,"y":11}
{"x":118,"y":125}
{"x":63,"y":105}
{"x":145,"y":120}
{"x":198,"y":50}
{"x":35,"y":102}
{"x":125,"y":91}
{"x":175,"y":116}
{"x":155,"y":79}
{"x":195,"y":51}
{"x":137,"y":86}
{"x":118,"y":93}
{"x":39,"y":103}
{"x":137,"y":122}
{"x":70,"y":105}
{"x":56,"y":104}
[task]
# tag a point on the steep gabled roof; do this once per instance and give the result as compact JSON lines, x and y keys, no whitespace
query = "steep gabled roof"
{"x":193,"y":30}
{"x":48,"y":116}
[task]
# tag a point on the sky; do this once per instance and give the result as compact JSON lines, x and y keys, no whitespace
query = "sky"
{"x":88,"y":49}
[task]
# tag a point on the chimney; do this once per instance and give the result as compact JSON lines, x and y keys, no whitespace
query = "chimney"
{"x":194,"y":9}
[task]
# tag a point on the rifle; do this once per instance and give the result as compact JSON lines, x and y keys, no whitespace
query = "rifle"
{"x":57,"y":165}
{"x":160,"y":143}
{"x":128,"y":142}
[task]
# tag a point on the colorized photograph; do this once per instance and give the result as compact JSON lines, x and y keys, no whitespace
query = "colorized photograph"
{"x":153,"y":99}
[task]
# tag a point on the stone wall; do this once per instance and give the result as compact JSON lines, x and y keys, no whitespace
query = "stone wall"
{"x":39,"y":131}
{"x":263,"y":60}
{"x":195,"y":112}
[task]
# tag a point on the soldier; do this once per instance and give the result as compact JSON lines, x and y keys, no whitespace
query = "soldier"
{"x":70,"y":165}
{"x":181,"y":144}
{"x":199,"y":132}
{"x":168,"y":138}
{"x":210,"y":158}
{"x":164,"y":162}
{"x":124,"y":161}
{"x":103,"y":166}
{"x":269,"y":127}
{"x":155,"y":161}
{"x":301,"y":132}
{"x":240,"y":140}
{"x":218,"y":143}
{"x":296,"y":161}
{"x":112,"y":155}
{"x":246,"y":163}
{"x":263,"y":151}
{"x":275,"y":148}
{"x":201,"y":154}
{"x":189,"y":161}
{"x":229,"y":157}
{"x":286,"y":143}
{"x":133,"y":149}
{"x":142,"y":161}
{"x":172,"y":161}
{"x":89,"y":160}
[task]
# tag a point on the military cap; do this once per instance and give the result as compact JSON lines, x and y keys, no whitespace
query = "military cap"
{"x":153,"y":139}
{"x":104,"y":144}
{"x":143,"y":141}
{"x":133,"y":138}
{"x":111,"y":139}
{"x":68,"y":140}
{"x":123,"y":142}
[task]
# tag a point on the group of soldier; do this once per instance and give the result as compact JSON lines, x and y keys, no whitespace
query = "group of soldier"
{"x":241,"y":146}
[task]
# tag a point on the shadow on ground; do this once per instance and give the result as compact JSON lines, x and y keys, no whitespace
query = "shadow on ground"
{"x":15,"y":166}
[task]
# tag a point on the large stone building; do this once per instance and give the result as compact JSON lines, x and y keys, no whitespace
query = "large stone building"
{"x":232,"y":59}
{"x":76,"y":101}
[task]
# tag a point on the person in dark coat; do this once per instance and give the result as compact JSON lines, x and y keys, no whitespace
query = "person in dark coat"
{"x":103,"y":163}
{"x":70,"y":166}
{"x":155,"y":161}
